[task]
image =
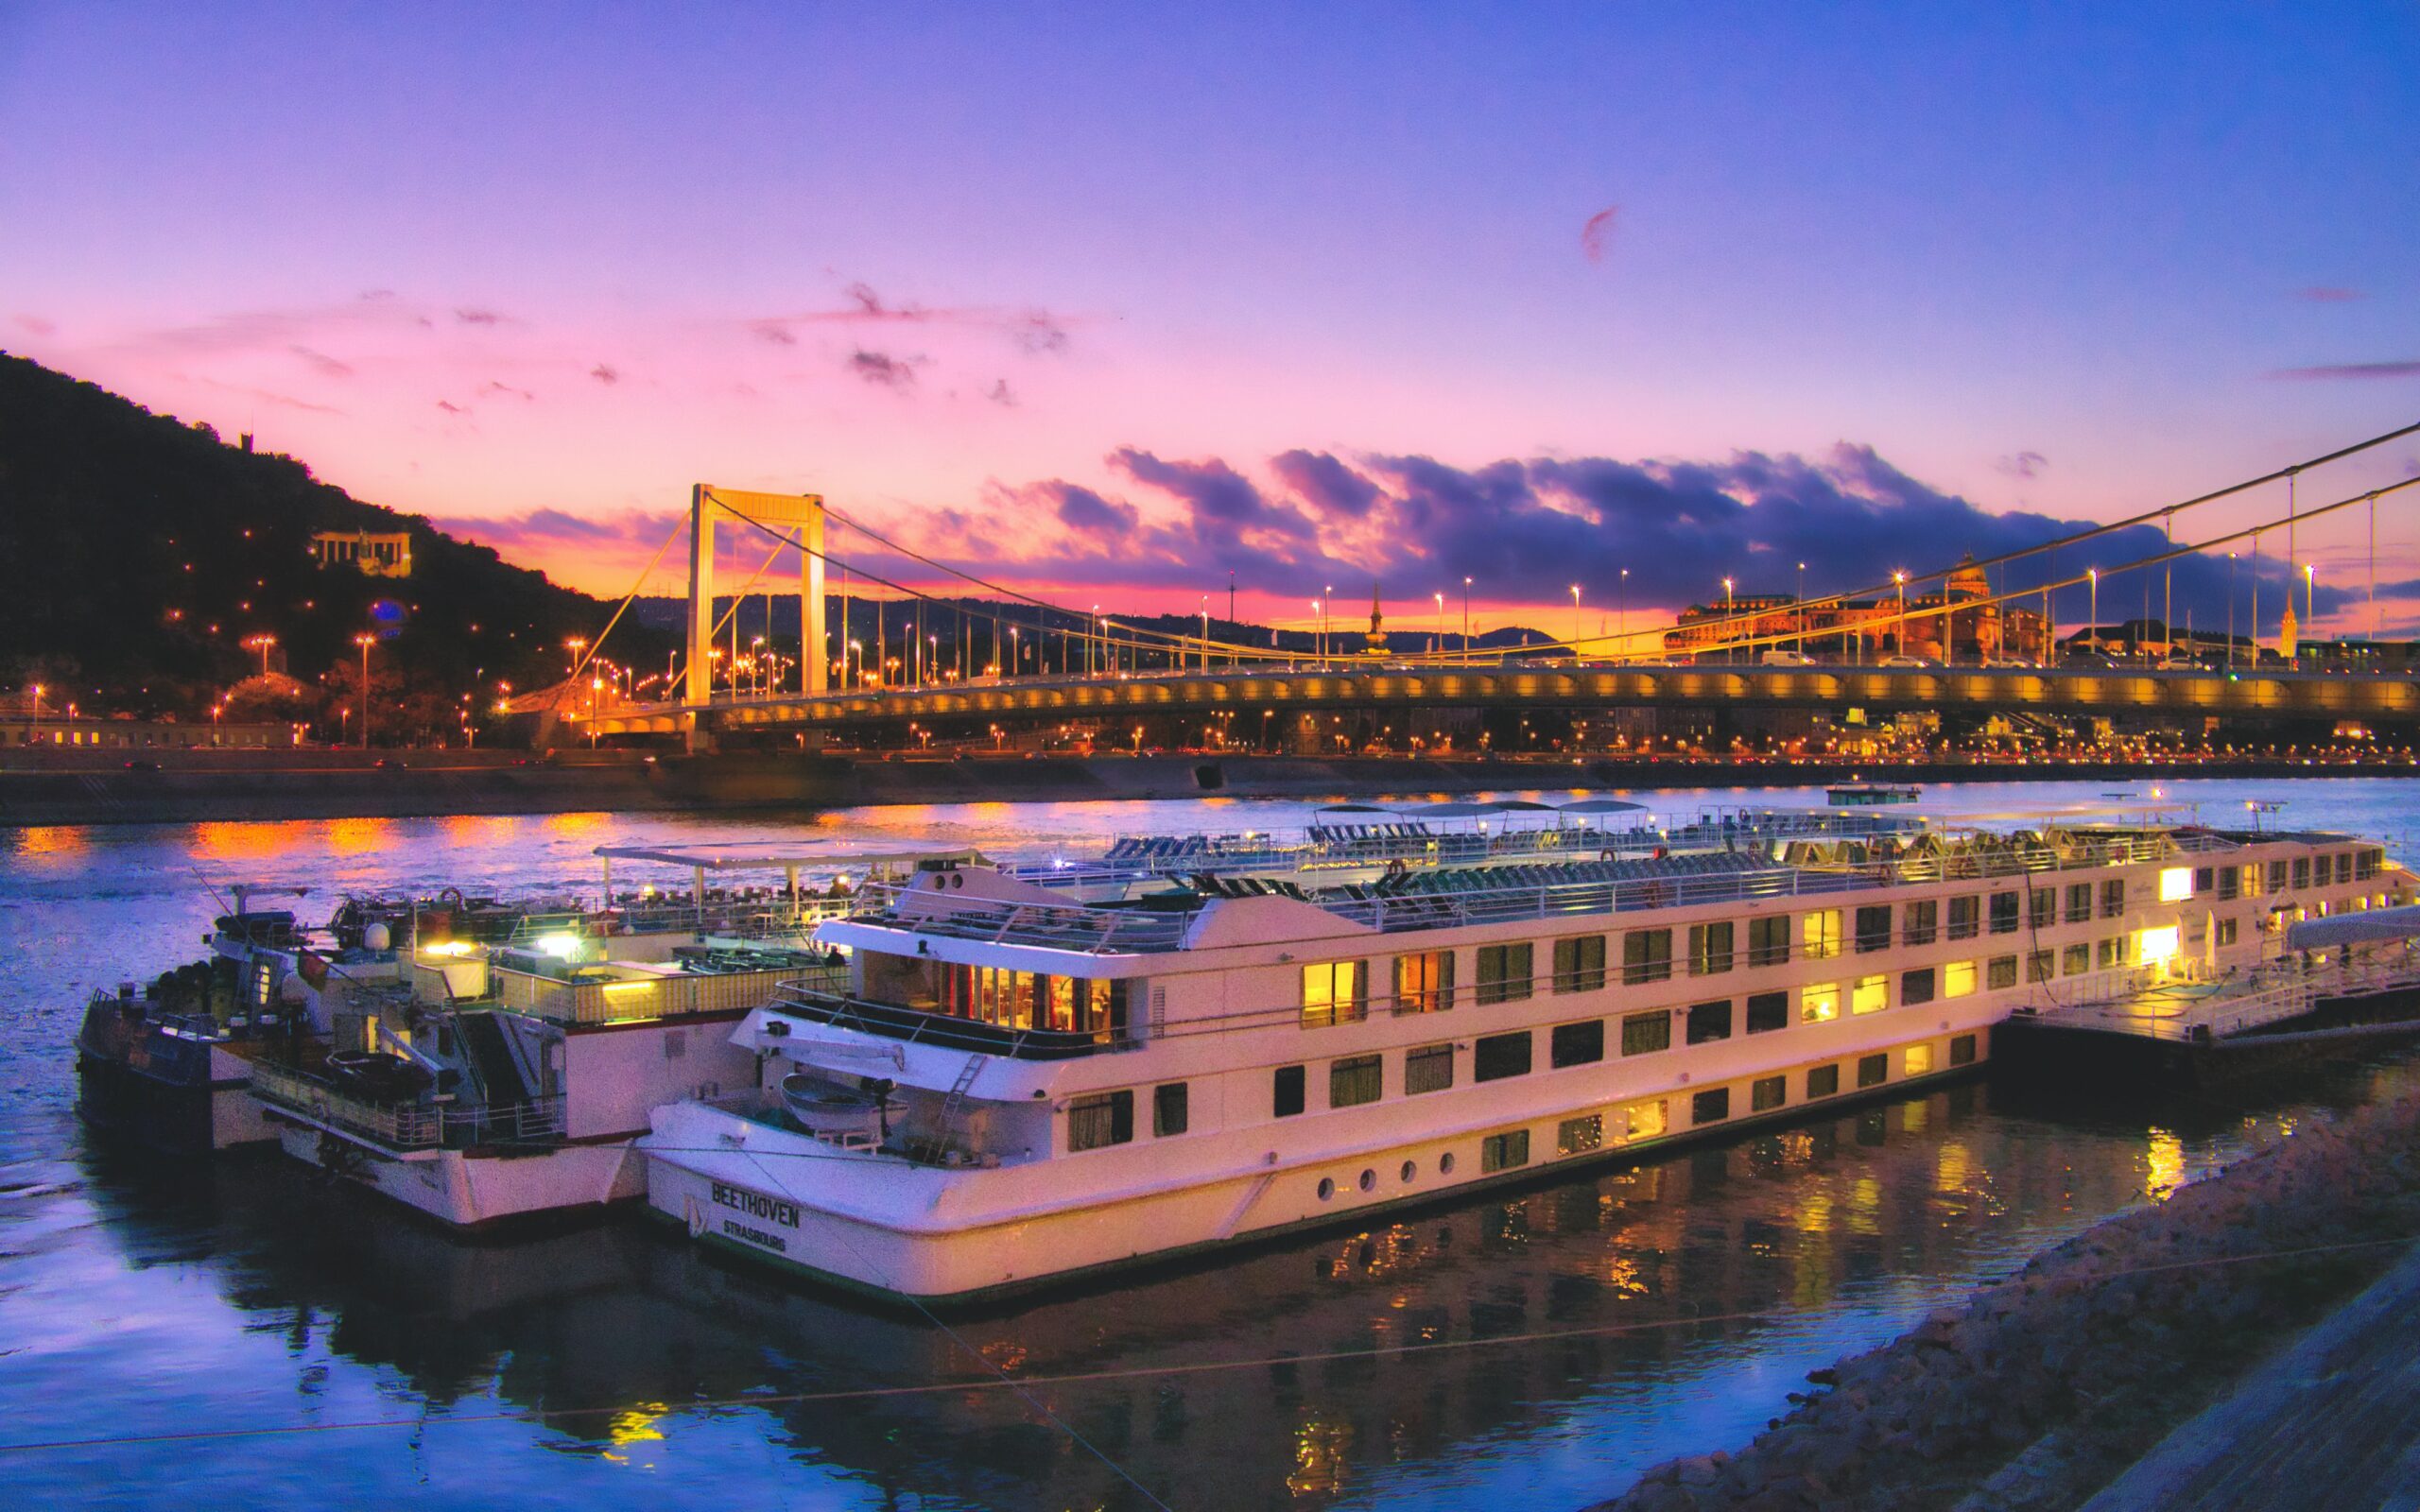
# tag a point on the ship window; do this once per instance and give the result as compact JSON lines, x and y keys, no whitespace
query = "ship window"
{"x":1871,"y":994}
{"x":1818,"y":1001}
{"x":1768,"y":1012}
{"x":2205,"y":880}
{"x":2252,"y":880}
{"x":1647,"y":955}
{"x":1709,"y":949}
{"x":1498,"y":1056}
{"x":1645,"y":1033}
{"x":2074,"y":960}
{"x":1961,"y":1050}
{"x":2175,"y":884}
{"x":2113,"y":898}
{"x":2042,"y":907}
{"x":1710,"y":1106}
{"x":1963,"y":914}
{"x":1580,"y":963}
{"x":1821,"y":933}
{"x":1287,"y":1091}
{"x":1916,"y":987}
{"x":1427,"y":1069}
{"x":1768,"y":941}
{"x":1503,"y":1152}
{"x":1922,"y":921}
{"x":1578,"y":1136}
{"x":1354,"y":1080}
{"x":2041,"y":965}
{"x":2001,"y":972}
{"x":2230,"y":883}
{"x":1648,"y":1119}
{"x":2277,"y":876}
{"x":2004,"y":913}
{"x":2107,"y":953}
{"x":1918,"y":1061}
{"x":1768,"y":1093}
{"x":1328,"y":1187}
{"x":1874,"y":928}
{"x":2344,"y":868}
{"x":1171,"y":1109}
{"x":2226,"y":928}
{"x":1335,"y":993}
{"x":1503,"y":973}
{"x":1873,"y":1071}
{"x":2078,"y":901}
{"x":1709,"y":1021}
{"x":1577,"y":1044}
{"x":1424,"y":982}
{"x":1958,"y":979}
{"x":1101,"y":1119}
{"x":1823,"y":1081}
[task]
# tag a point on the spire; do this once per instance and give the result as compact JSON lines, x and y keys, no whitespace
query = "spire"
{"x":1377,"y":622}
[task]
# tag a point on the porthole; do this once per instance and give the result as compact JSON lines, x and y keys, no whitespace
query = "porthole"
{"x":1327,"y":1189}
{"x":1445,"y":1164}
{"x":1369,"y":1181}
{"x":1411,"y":1172}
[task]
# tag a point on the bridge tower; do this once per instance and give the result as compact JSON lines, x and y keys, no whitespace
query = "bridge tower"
{"x":710,"y":506}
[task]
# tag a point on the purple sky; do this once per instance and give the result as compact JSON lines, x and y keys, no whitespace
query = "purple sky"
{"x":1118,"y":301}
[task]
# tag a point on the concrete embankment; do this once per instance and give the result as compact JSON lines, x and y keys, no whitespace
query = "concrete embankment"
{"x":60,"y":787}
{"x":2044,"y":1387}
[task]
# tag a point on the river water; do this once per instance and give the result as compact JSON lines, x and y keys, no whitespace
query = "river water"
{"x":250,"y":1334}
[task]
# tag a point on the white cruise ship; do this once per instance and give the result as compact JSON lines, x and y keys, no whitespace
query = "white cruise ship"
{"x":1015,"y":1090}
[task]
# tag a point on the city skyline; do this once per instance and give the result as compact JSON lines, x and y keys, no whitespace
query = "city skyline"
{"x":1117,"y":309}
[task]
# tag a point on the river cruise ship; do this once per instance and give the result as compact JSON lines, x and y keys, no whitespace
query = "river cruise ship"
{"x":1015,"y":1091}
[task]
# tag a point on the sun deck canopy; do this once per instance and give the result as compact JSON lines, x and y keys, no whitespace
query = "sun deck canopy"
{"x":2376,"y":926}
{"x":775,"y":855}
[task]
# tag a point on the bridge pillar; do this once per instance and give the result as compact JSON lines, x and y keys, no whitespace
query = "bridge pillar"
{"x":709,"y":506}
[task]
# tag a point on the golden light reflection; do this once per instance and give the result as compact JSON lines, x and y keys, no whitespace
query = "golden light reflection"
{"x":576,"y":824}
{"x":480,"y":829}
{"x":359,"y":836}
{"x":1952,"y":1167}
{"x":1815,"y":1213}
{"x":1865,"y":1206}
{"x":1004,"y":1355}
{"x":634,"y":1425}
{"x":47,"y":840}
{"x":2165,"y":1160}
{"x":233,"y":840}
{"x":1913,"y":1117}
{"x":1623,"y":1275}
{"x":1320,"y":1467}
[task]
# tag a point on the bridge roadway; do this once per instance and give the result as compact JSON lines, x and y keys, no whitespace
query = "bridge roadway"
{"x":2379,"y":700}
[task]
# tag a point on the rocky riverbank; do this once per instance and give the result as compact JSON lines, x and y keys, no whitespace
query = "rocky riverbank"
{"x":2046,"y":1385}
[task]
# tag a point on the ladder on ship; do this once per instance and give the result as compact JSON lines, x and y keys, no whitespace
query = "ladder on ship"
{"x":954,"y":1105}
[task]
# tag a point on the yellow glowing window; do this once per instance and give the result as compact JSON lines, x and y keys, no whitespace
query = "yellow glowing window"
{"x":1646,"y":1120}
{"x":1871,"y":994}
{"x":1958,"y":979}
{"x":1820,"y":1003}
{"x":2153,"y":946}
{"x":2175,"y":884}
{"x":1334,"y":992}
{"x":1822,"y":933}
{"x":1919,"y":1060}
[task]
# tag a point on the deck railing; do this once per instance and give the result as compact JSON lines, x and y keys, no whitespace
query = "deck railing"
{"x":408,"y":1125}
{"x":654,"y":995}
{"x":923,"y":1026}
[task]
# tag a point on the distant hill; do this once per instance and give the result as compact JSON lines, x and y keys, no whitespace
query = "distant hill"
{"x":137,"y":553}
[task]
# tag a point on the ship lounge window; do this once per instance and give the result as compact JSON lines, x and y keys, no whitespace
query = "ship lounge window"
{"x":1498,"y":1056}
{"x":1768,"y":1093}
{"x":1768,"y":941}
{"x":1916,"y":987}
{"x":1646,"y":1032}
{"x":1424,"y":982}
{"x":1285,"y":1093}
{"x":1354,"y":1080}
{"x":1821,"y":932}
{"x":1577,"y":1044}
{"x":2365,"y":862}
{"x":1961,"y":1050}
{"x":1873,"y":928}
{"x":1768,"y":1012}
{"x":1918,"y":1061}
{"x":1504,"y":972}
{"x":2041,"y":965}
{"x":1709,"y":949}
{"x":2001,"y":972}
{"x":1580,"y":963}
{"x":1964,"y":916}
{"x":2230,"y":883}
{"x":2252,"y":880}
{"x":2042,"y":907}
{"x":2175,"y":884}
{"x":2344,"y":868}
{"x":1823,"y":1081}
{"x":2205,"y":880}
{"x":1818,"y":1003}
{"x":995,"y":994}
{"x":1873,"y":1071}
{"x":1710,"y":1106}
{"x":2004,"y":913}
{"x":2226,"y":931}
{"x":2074,"y":960}
{"x":1101,"y":1119}
{"x":2277,"y":876}
{"x":1427,"y":1069}
{"x":1335,"y":993}
{"x":1871,"y":994}
{"x":2113,"y":898}
{"x":1647,"y":955}
{"x":1958,"y":979}
{"x":1922,"y":921}
{"x":1578,"y":1136}
{"x":1709,"y":1021}
{"x":1172,"y":1110}
{"x":1646,"y":1120}
{"x":1504,"y":1151}
{"x":2079,"y":903}
{"x":2106,"y":954}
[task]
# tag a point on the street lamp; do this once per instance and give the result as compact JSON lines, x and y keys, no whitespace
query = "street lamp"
{"x":2230,"y":611}
{"x":365,"y":642}
{"x":1802,"y":609}
{"x":574,"y":645}
{"x":1899,"y":629}
{"x":2092,"y":575}
{"x":1730,"y":632}
{"x":2310,"y":590}
{"x":1467,"y":619}
{"x":1621,"y":614}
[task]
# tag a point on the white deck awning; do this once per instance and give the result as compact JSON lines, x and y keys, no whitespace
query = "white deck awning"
{"x":2376,"y":926}
{"x":776,"y":855}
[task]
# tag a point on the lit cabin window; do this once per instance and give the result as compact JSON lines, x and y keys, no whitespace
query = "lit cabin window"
{"x":1958,"y":979}
{"x":1646,"y":1120}
{"x":1871,"y":994}
{"x":1919,"y":1060}
{"x":1334,"y":992}
{"x":2175,"y":884}
{"x":2155,"y":946}
{"x":1818,"y":1003}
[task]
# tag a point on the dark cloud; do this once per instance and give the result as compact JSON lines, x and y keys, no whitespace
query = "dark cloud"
{"x":1037,"y":333}
{"x":611,"y":537}
{"x":477,"y":317}
{"x":881,"y":369}
{"x":321,"y":363}
{"x":2354,"y":369}
{"x":492,"y":386}
{"x":1087,"y":513}
{"x":2328,"y":294}
{"x":1596,"y":237}
{"x":2023,"y":465}
{"x":774,"y":332}
{"x":451,"y":408}
{"x":998,"y":393}
{"x":605,"y":374}
{"x":1030,"y":330}
{"x":1325,"y":483}
{"x":1226,"y":512}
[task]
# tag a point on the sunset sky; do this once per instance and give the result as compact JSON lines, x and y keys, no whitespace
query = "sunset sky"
{"x":1115,"y":301}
